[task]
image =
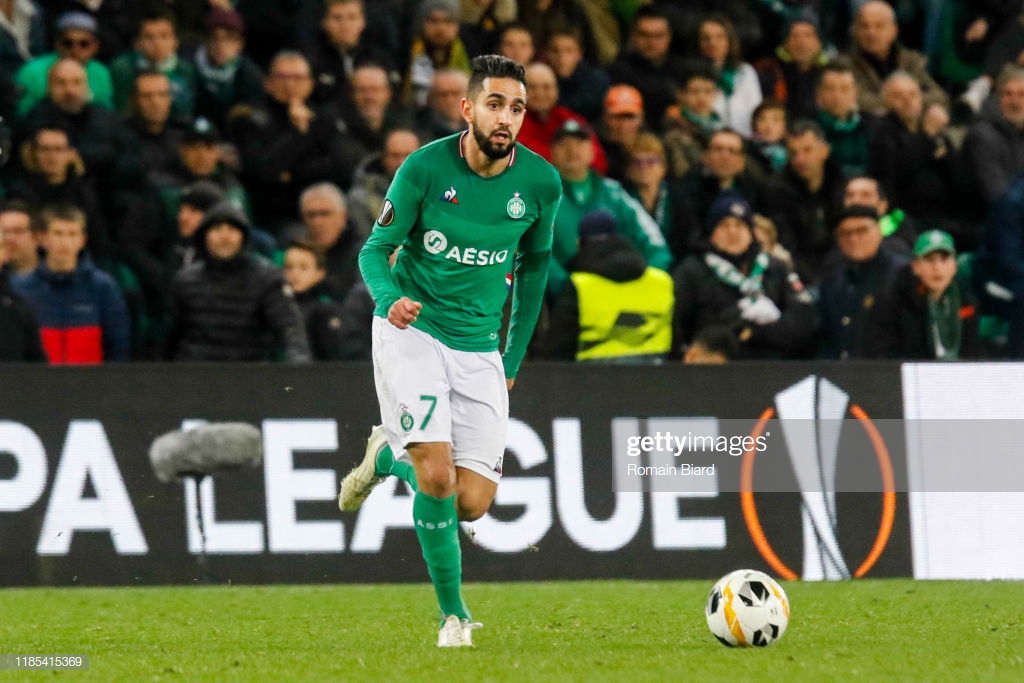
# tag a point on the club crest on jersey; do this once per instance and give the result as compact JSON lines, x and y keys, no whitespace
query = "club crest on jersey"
{"x":516,"y":207}
{"x":387,"y":214}
{"x":406,"y":419}
{"x":449,"y":196}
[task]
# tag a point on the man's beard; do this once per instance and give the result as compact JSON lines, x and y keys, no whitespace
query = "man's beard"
{"x":490,"y":149}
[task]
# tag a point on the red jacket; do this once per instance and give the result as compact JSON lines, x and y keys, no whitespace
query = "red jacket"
{"x":536,"y":134}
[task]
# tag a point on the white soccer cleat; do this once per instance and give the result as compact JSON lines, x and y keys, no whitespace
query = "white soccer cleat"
{"x":358,"y":483}
{"x":456,"y":633}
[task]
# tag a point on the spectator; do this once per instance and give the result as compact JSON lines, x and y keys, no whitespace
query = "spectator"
{"x":198,"y":156}
{"x":661,"y":197}
{"x":229,"y":305}
{"x":898,"y":230}
{"x":731,"y":282}
{"x":621,"y":123}
{"x":924,"y":314}
{"x":19,"y":237}
{"x":723,"y":166}
{"x":912,"y":158}
{"x":443,"y":114}
{"x":106,"y":149}
{"x":21,"y":34}
{"x":993,"y":149}
{"x":373,"y":111}
{"x":374,"y":176}
{"x":804,"y":199}
{"x":1000,"y":259}
{"x":287,"y":144}
{"x":581,"y":86}
{"x":116,"y":20}
{"x":225,"y":76}
{"x":790,"y":75}
{"x":544,"y":116}
{"x":194,"y":201}
{"x":614,"y":308}
{"x":156,"y":49}
{"x":516,"y":43}
{"x":584,"y":190}
{"x":356,"y":323}
{"x":876,"y":53}
{"x":544,"y":17}
{"x":82,"y":314}
{"x":52,"y":174}
{"x":647,"y":65}
{"x":712,"y":345}
{"x":305,"y":267}
{"x":689,"y":124}
{"x":341,"y":45}
{"x":480,"y":21}
{"x":768,"y":143}
{"x":75,"y":37}
{"x":20,"y":341}
{"x":436,"y":45}
{"x":767,"y":235}
{"x":149,"y":120}
{"x":738,"y":84}
{"x":848,"y":293}
{"x":847,"y":131}
{"x":328,"y":227}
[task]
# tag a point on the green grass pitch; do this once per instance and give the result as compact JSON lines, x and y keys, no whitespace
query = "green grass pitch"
{"x":898,"y":630}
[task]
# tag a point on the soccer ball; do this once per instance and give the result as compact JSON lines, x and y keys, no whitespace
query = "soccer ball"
{"x":747,"y":608}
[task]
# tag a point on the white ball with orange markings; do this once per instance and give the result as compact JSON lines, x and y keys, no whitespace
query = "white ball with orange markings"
{"x":747,"y":608}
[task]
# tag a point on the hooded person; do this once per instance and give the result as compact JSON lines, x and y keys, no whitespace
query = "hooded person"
{"x":230,"y":305}
{"x":615,"y":308}
{"x":731,"y":281}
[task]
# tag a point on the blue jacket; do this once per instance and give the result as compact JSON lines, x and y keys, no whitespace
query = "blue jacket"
{"x":82,"y":315}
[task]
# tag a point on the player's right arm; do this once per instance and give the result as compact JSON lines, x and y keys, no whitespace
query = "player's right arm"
{"x":397,"y":217}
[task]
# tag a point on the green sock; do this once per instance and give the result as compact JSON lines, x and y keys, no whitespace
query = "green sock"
{"x":387,"y":465}
{"x":385,"y":461}
{"x":437,"y":528}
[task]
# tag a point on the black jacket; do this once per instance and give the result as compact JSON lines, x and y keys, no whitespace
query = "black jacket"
{"x":234,"y":310}
{"x":322,"y":317}
{"x":897,"y":326}
{"x":19,"y":340}
{"x":845,"y":300}
{"x":702,"y":300}
{"x":343,"y":262}
{"x":280,"y":161}
{"x":657,"y":84}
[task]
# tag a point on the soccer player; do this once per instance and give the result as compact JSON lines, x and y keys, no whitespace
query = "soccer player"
{"x":466,"y":209}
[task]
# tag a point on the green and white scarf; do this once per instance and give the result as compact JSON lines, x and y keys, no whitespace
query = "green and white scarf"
{"x":732,"y":276}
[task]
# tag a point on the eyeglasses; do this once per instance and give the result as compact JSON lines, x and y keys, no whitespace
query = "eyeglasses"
{"x":69,"y":43}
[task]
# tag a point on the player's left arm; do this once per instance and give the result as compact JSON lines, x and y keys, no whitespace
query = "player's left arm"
{"x":530,"y":276}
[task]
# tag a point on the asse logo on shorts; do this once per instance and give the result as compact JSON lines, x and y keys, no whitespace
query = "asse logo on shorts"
{"x":406,"y":419}
{"x":434,"y":241}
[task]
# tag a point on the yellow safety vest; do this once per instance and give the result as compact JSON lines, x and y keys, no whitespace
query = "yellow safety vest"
{"x":620,"y":320}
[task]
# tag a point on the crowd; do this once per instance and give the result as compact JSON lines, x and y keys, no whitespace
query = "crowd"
{"x":194,"y":179}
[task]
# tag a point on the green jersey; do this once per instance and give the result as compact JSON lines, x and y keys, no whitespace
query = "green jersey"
{"x":462,"y":236}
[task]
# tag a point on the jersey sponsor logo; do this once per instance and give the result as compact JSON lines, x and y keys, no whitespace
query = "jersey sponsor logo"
{"x":449,"y":195}
{"x":471,"y":256}
{"x":516,"y":207}
{"x":434,"y":241}
{"x":387,"y":214}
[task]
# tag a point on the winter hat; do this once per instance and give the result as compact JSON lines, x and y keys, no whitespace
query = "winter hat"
{"x":729,"y":203}
{"x":223,"y":211}
{"x":201,"y":195}
{"x":857,"y":211}
{"x":225,"y":18}
{"x":450,"y":7}
{"x":804,"y":15}
{"x":76,"y":20}
{"x":623,"y":99}
{"x":597,"y":223}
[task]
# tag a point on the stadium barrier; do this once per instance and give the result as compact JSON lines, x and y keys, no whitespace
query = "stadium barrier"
{"x":80,"y":504}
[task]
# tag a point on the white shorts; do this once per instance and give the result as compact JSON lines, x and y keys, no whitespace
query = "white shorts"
{"x":429,"y":392}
